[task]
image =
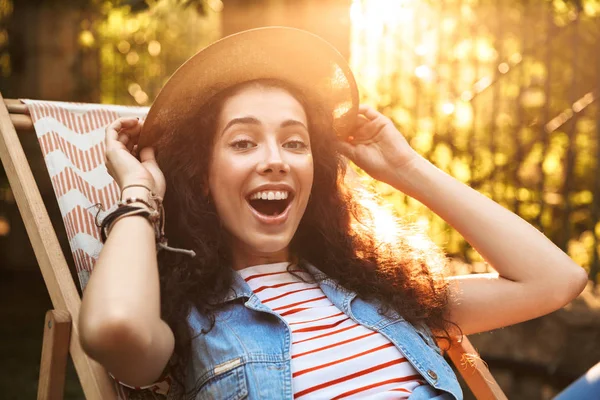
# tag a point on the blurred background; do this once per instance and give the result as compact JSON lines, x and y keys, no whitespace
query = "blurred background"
{"x":500,"y":94}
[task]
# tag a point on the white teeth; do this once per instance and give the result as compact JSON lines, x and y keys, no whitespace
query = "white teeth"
{"x":270,"y":195}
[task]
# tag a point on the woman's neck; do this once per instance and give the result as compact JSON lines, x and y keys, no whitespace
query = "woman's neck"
{"x":245,"y":259}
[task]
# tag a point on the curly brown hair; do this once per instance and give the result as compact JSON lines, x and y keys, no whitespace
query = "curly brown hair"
{"x":337,"y":233}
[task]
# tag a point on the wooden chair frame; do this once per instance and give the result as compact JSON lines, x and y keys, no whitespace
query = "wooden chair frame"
{"x":61,"y":329}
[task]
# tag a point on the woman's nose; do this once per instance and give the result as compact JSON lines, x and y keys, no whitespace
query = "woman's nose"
{"x":273,"y":162}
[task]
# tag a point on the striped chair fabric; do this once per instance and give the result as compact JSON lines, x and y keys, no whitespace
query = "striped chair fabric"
{"x":71,"y":137}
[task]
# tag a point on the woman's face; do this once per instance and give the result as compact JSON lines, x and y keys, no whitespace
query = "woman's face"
{"x":261,"y":172}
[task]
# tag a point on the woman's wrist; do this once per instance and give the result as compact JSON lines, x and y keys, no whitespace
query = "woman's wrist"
{"x":138,"y":196}
{"x":409,"y":178}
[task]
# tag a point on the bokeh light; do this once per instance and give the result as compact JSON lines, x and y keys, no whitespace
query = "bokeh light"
{"x":476,"y":90}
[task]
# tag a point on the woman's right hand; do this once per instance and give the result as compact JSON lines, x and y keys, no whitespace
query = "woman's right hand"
{"x":122,"y":161}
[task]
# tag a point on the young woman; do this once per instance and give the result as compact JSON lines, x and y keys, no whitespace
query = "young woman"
{"x":289,"y":291}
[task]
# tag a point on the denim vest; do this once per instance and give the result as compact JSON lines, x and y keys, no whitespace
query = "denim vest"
{"x":247,"y":353}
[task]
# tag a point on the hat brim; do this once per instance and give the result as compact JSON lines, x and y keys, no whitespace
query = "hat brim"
{"x":299,"y":58}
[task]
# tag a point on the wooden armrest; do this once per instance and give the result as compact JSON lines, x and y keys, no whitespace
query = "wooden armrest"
{"x":19,"y":115}
{"x":15,"y":106}
{"x":55,"y":350}
{"x":474,"y":370}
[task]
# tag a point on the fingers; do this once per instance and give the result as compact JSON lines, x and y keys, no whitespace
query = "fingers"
{"x":361,"y":121}
{"x":147,"y":155}
{"x":346,"y":149}
{"x":368,"y":111}
{"x":367,"y":130}
{"x":115,"y":127}
{"x":124,"y":138}
{"x":125,"y":130}
{"x":121,"y":134}
{"x":369,"y":124}
{"x":148,"y":159}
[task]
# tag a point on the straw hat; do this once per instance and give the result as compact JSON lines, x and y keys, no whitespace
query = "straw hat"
{"x":299,"y":58}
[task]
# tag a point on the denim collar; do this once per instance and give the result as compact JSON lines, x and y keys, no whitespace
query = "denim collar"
{"x":239,"y":288}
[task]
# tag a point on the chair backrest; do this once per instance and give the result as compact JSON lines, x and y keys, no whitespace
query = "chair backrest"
{"x":71,"y":137}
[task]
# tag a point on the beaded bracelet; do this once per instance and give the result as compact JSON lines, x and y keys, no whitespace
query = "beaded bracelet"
{"x":130,"y":200}
{"x":156,"y":218}
{"x":158,"y":206}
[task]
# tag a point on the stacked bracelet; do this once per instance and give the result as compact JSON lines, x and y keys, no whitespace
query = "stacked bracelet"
{"x":155,"y":215}
{"x":118,"y":214}
{"x":131,"y":200}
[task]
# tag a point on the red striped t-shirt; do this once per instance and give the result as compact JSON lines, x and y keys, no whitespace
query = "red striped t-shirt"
{"x":333,"y":357}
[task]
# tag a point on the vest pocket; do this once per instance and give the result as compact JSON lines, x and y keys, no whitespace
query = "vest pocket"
{"x":227,"y":383}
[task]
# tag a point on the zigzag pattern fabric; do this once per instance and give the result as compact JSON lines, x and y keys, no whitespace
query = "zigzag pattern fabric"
{"x":71,"y":136}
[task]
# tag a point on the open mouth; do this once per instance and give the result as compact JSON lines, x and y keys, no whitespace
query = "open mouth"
{"x":270,"y":203}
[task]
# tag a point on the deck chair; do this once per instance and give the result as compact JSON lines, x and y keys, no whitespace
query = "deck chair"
{"x":71,"y":139}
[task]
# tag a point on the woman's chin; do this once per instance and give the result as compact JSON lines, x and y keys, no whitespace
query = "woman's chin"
{"x":269,"y":244}
{"x":273,"y":248}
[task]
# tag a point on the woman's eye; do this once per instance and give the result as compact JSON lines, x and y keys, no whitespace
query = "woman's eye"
{"x":295,"y":145}
{"x":242,"y":145}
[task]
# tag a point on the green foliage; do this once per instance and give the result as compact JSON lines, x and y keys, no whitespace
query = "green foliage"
{"x":131,"y":39}
{"x":500,"y":95}
{"x":503,"y":98}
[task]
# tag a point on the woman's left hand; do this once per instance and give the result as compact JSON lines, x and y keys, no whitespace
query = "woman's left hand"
{"x":377,"y":147}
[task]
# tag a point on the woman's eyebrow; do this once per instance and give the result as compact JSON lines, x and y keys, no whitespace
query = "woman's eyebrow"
{"x":292,"y":122}
{"x":242,"y":120}
{"x":255,"y":121}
